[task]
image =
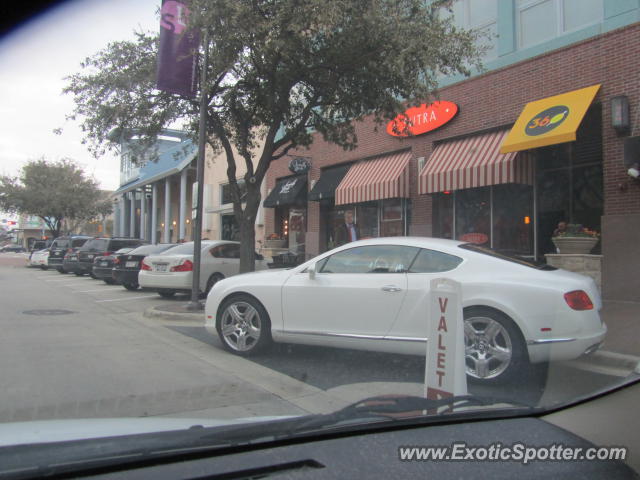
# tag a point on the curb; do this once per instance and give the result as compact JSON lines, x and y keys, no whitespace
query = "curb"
{"x":153,"y":312}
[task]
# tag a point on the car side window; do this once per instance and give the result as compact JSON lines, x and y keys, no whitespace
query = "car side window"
{"x":432,"y":261}
{"x":371,"y":259}
{"x":226,"y":251}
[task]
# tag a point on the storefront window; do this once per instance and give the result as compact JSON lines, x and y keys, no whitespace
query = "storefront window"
{"x":443,"y":215}
{"x":381,"y":218}
{"x":230,"y":230}
{"x":392,"y":218}
{"x":297,"y":230}
{"x":367,"y":219}
{"x":473,"y":215}
{"x":513,"y":219}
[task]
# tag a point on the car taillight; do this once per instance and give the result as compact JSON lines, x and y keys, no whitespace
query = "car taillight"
{"x":185,"y":266}
{"x":578,"y":300}
{"x":106,"y":254}
{"x":144,"y":266}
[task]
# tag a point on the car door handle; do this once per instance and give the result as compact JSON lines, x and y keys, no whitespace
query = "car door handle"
{"x":391,"y":288}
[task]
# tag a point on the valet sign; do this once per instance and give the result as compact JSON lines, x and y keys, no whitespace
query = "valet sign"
{"x":422,"y":119}
{"x":445,"y":374}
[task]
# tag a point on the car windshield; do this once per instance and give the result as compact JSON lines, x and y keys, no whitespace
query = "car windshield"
{"x":410,"y":212}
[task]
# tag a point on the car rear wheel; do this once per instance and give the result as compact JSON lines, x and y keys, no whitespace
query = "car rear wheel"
{"x":79,"y":274}
{"x":109,"y":281}
{"x":495,"y":350}
{"x":44,"y":267}
{"x":60,"y":270}
{"x":130,"y":286}
{"x":93,"y":275}
{"x":213,"y":279}
{"x":166,"y":293}
{"x":243,"y":325}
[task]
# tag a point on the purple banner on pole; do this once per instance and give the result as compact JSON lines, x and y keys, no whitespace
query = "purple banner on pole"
{"x":177,"y":59}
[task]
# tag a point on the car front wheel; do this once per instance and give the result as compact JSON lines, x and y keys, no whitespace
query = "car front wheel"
{"x":130,"y":286}
{"x":166,"y":293}
{"x":243,"y":325}
{"x":495,"y":350}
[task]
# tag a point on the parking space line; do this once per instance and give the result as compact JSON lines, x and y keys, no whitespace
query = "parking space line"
{"x":65,"y":280}
{"x":72,"y":284}
{"x":125,"y":298}
{"x":103,"y":289}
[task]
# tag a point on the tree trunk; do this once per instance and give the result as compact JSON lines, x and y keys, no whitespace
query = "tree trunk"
{"x":248,"y":230}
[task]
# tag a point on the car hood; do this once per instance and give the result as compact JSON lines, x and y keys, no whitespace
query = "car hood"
{"x":50,"y":431}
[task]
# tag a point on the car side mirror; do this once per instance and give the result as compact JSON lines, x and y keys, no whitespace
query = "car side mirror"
{"x":311,"y":270}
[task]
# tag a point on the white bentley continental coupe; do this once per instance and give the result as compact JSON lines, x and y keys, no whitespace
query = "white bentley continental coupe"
{"x":373,"y":295}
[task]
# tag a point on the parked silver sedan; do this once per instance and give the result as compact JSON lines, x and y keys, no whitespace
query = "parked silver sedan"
{"x":171,"y":271}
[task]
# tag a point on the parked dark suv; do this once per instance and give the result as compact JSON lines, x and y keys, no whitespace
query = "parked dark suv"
{"x":63,"y":245}
{"x":101,"y":246}
{"x":127,"y":266}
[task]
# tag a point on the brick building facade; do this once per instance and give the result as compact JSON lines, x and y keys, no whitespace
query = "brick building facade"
{"x":494,"y":100}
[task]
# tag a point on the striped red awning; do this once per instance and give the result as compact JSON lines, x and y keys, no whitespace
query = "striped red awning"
{"x":474,"y":162}
{"x":382,"y":177}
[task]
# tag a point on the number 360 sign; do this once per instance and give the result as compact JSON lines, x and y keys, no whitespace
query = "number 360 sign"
{"x":547,"y":120}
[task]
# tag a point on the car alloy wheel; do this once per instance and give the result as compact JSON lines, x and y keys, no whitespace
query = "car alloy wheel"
{"x":494,"y":350}
{"x":243,"y":325}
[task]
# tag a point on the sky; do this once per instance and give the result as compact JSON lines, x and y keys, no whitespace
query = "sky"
{"x":34,"y":60}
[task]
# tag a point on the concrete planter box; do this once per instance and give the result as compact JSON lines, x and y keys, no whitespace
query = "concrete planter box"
{"x":275,"y":243}
{"x":576,"y":245}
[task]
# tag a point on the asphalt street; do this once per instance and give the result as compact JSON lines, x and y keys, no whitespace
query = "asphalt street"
{"x":76,"y":347}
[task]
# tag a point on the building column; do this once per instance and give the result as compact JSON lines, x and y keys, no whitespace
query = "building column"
{"x":116,"y":219}
{"x":183,"y":204}
{"x":154,"y":213}
{"x":167,"y":209}
{"x":123,"y":214}
{"x":143,"y":213}
{"x":132,"y":217}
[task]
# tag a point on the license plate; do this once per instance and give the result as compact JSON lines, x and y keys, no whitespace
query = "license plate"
{"x":104,"y":264}
{"x":161,"y":267}
{"x":131,"y":265}
{"x":73,"y":258}
{"x":89,"y":256}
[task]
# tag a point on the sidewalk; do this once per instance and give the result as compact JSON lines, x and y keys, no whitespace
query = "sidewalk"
{"x":623,"y":322}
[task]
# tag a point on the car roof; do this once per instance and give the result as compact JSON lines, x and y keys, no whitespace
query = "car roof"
{"x":420,"y":242}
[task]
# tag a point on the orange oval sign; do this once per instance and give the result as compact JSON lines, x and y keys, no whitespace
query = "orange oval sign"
{"x":422,"y":119}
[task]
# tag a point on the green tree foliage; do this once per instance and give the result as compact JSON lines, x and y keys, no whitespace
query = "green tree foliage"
{"x":278,"y":71}
{"x":54,"y":191}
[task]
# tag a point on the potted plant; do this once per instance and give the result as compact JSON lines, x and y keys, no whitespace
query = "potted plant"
{"x":274,"y":241}
{"x":575,"y":239}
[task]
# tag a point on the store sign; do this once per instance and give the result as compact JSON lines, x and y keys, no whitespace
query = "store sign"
{"x":445,"y":372}
{"x":547,"y":120}
{"x":286,"y":188}
{"x":299,"y":165}
{"x":422,"y":119}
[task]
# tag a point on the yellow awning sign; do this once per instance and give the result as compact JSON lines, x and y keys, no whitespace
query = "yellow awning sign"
{"x":550,"y":120}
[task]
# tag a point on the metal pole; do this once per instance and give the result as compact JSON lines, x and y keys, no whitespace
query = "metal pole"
{"x":202,"y":139}
{"x":154,"y":213}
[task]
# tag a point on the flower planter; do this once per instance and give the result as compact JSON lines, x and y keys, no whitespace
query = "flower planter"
{"x":579,"y":245}
{"x":275,"y":243}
